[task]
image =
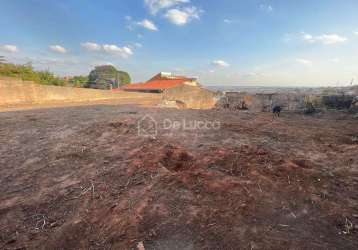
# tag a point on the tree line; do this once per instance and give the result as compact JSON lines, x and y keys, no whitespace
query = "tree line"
{"x":101,"y":77}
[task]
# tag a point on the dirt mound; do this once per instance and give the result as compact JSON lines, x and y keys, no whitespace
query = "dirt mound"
{"x":176,"y":159}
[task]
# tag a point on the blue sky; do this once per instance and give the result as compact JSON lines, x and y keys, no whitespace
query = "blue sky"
{"x":227,"y":42}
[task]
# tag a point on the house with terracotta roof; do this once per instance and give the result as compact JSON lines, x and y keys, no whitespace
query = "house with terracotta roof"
{"x":176,"y":91}
{"x":161,"y":82}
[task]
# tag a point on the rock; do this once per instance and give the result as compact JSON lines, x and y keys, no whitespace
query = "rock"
{"x":140,"y":246}
{"x":54,"y":224}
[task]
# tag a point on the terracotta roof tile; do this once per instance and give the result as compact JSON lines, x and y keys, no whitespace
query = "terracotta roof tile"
{"x":158,"y":83}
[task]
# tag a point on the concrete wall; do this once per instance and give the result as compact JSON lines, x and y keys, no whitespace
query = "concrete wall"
{"x":15,"y":92}
{"x":192,"y":97}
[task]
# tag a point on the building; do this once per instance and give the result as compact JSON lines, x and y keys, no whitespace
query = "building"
{"x":176,"y":91}
{"x":161,"y":82}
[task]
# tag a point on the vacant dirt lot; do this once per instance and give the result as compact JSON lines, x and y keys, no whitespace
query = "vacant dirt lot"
{"x":82,"y":178}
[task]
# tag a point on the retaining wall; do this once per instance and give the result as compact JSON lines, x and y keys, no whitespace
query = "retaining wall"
{"x":16,"y":92}
{"x":192,"y":97}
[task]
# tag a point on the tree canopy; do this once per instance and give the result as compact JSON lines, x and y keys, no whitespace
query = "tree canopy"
{"x":107,"y":77}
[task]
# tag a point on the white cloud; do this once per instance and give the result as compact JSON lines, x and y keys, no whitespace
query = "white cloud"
{"x":90,"y":46}
{"x":123,"y":52}
{"x":129,"y":22}
{"x":138,"y":45}
{"x":308,"y":38}
{"x":231,"y":21}
{"x":9,"y":48}
{"x":326,"y":39}
{"x":148,"y":25}
{"x":331,"y":39}
{"x":182,"y":16}
{"x":355,"y":32}
{"x":58,"y":49}
{"x":266,"y":7}
{"x":304,"y":62}
{"x":334,"y":60}
{"x":135,"y":46}
{"x":156,"y":5}
{"x":220,"y":63}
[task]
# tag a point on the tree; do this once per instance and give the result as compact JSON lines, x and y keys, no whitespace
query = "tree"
{"x":2,"y":59}
{"x":124,"y":77}
{"x":79,"y":81}
{"x":107,"y":77}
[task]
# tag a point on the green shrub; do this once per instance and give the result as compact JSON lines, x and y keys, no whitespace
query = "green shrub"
{"x":102,"y":77}
{"x":27,"y":73}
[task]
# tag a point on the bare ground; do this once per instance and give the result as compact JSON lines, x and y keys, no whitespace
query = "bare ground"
{"x":82,"y":178}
